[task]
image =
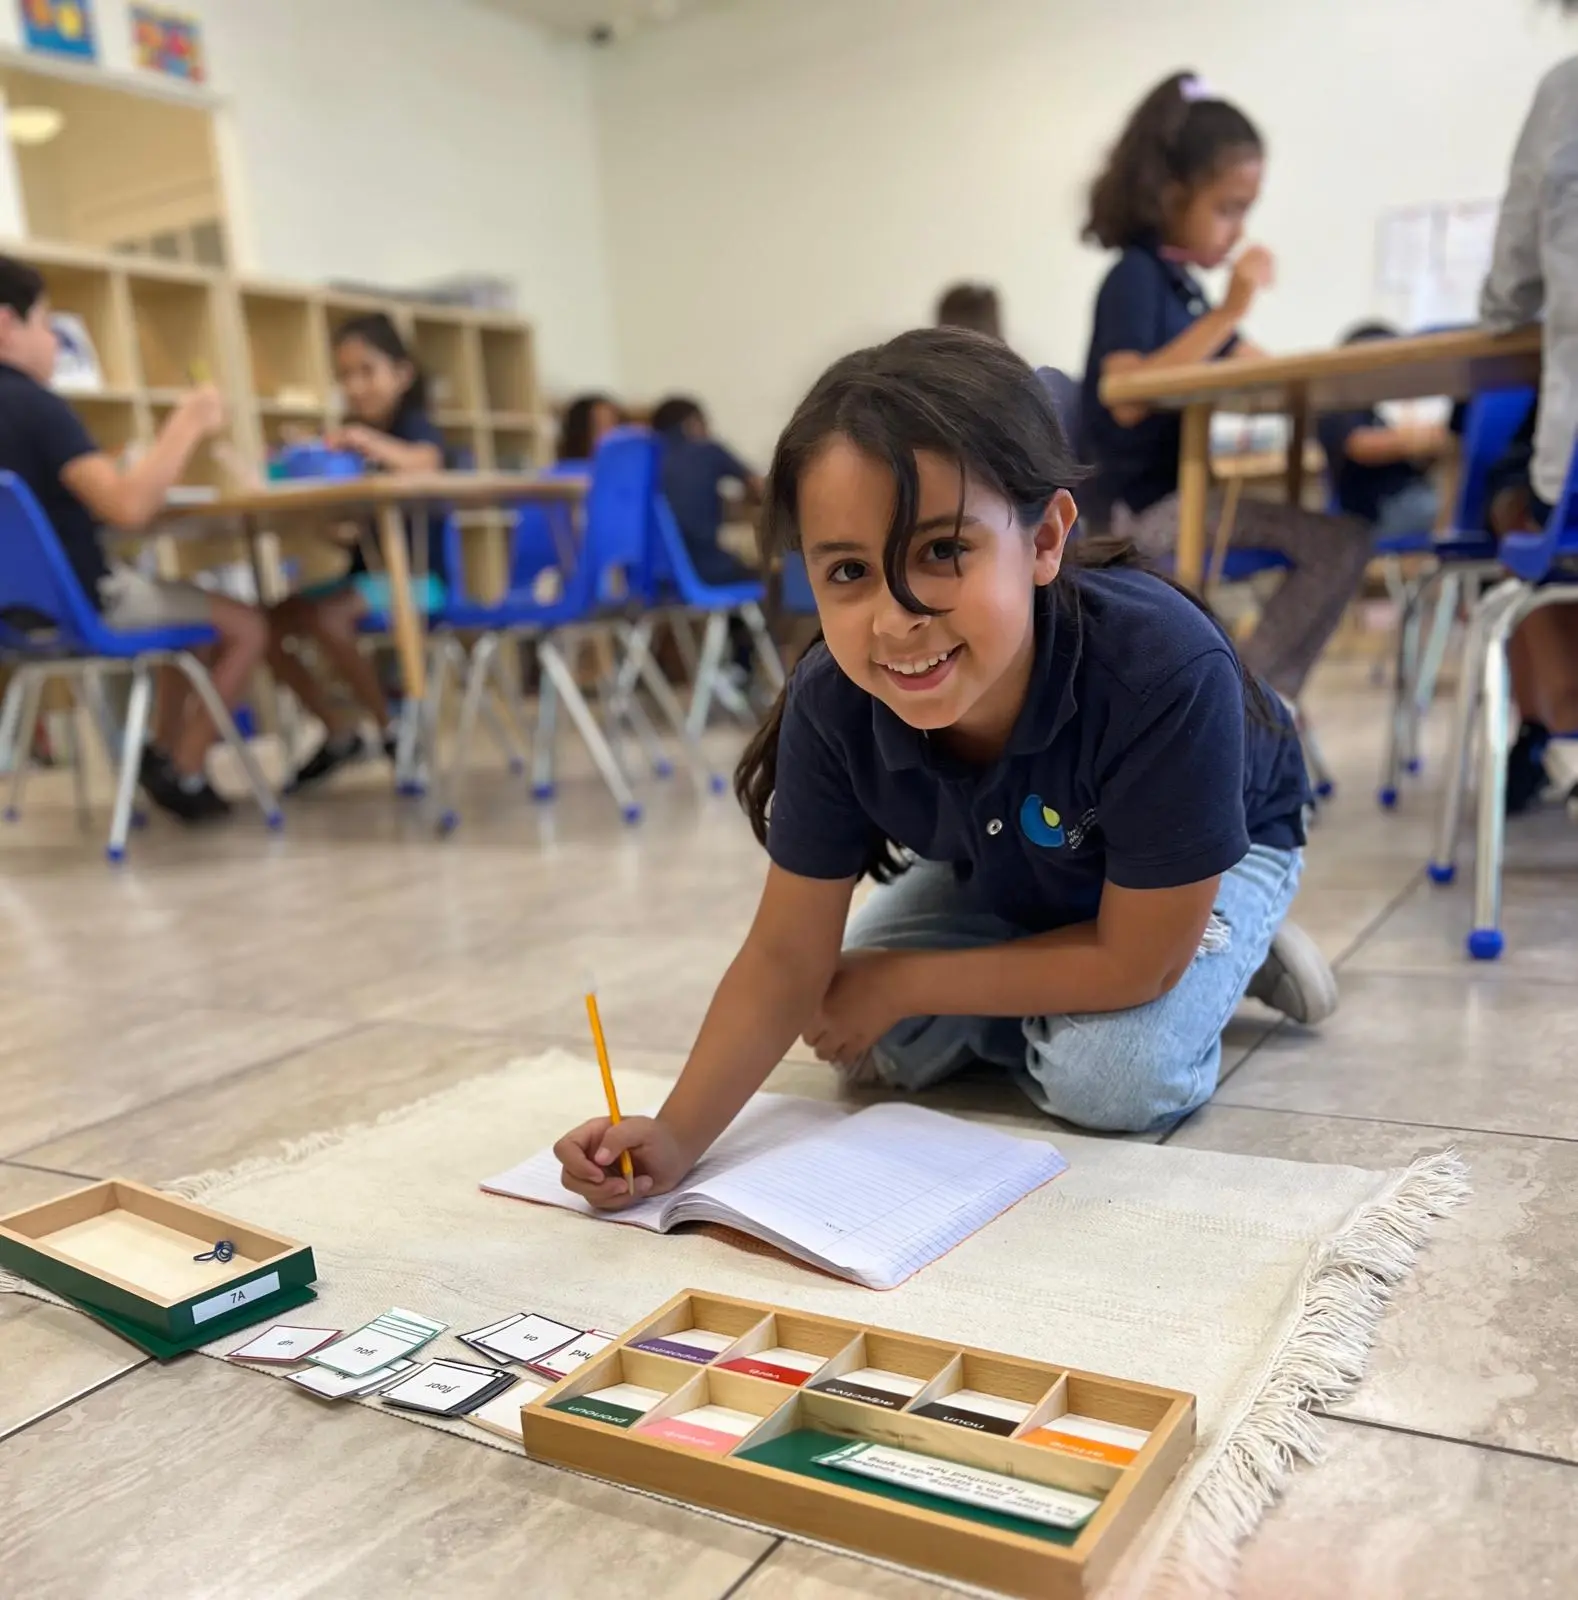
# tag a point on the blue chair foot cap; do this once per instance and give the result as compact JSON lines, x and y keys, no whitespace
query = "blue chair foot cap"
{"x":1485,"y":944}
{"x":410,"y":789}
{"x":1325,"y":789}
{"x":631,"y":814}
{"x":274,"y":821}
{"x":1388,"y":799}
{"x":1413,"y":765}
{"x":115,"y":854}
{"x":542,"y":791}
{"x":12,"y":814}
{"x":662,"y":769}
{"x":449,"y":821}
{"x":718,"y":783}
{"x":517,"y":767}
{"x":1441,"y":871}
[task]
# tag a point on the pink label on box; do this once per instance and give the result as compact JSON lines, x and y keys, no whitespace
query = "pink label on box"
{"x":678,"y":1432}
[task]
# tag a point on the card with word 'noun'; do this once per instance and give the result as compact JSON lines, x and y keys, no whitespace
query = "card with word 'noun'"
{"x":330,"y":1385}
{"x":283,"y":1344}
{"x":395,"y":1333}
{"x":448,"y":1388}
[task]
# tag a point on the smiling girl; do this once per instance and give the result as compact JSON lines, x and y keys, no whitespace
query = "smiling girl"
{"x":1085,"y":819}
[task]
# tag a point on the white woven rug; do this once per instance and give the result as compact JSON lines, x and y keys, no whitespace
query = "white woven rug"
{"x":1254,"y":1284}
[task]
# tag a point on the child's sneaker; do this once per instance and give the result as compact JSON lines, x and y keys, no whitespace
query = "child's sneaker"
{"x":1295,"y":979}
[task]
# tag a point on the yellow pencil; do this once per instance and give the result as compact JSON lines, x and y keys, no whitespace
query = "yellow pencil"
{"x":608,"y":1083}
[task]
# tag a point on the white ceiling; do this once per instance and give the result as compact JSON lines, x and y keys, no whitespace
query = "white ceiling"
{"x":580,"y":17}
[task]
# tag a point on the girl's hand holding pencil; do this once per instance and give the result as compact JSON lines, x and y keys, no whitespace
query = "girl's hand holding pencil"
{"x":591,"y":1156}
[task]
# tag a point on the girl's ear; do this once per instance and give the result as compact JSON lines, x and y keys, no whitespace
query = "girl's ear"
{"x":1052,"y":536}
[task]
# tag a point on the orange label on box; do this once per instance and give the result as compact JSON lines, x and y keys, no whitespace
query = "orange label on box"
{"x":1091,"y":1438}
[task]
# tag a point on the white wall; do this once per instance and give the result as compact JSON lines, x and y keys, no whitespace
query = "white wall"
{"x":399,"y":140}
{"x":788,"y":178}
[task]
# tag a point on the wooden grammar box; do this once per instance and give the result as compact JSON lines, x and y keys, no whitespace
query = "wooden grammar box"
{"x":1050,"y":1563}
{"x":128,"y":1251}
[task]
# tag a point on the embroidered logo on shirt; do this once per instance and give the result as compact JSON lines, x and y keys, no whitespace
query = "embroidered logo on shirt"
{"x":1042,"y":825}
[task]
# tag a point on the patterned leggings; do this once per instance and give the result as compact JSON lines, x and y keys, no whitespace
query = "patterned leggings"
{"x":1329,"y":555}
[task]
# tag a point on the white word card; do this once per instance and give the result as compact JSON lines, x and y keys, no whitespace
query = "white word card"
{"x":283,"y":1344}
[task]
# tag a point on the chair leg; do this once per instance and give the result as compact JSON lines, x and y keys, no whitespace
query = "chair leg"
{"x":563,"y":679}
{"x":545,"y":738}
{"x":196,"y":674}
{"x":767,"y":656}
{"x":1442,"y":619}
{"x":710,"y":683}
{"x":477,"y":674}
{"x":639,"y":653}
{"x":1443,"y":864}
{"x":1485,"y":937}
{"x":507,"y":705}
{"x":132,"y":737}
{"x":1407,"y":661}
{"x":32,"y":687}
{"x":11,"y":747}
{"x":79,"y":773}
{"x":623,"y":699}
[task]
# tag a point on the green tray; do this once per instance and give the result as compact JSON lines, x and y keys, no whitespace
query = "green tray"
{"x":165,"y":1349}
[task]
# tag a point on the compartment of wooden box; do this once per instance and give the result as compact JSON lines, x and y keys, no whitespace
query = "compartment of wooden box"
{"x":722,"y":1322}
{"x":622,"y":1369}
{"x":886,"y":1369}
{"x":989,"y":1394}
{"x":129,"y":1250}
{"x":782,"y":1348}
{"x":787,"y":1490}
{"x":1097,"y":1419}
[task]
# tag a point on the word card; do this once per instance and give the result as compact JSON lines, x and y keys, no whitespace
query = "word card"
{"x":394,"y":1333}
{"x":561,"y":1363}
{"x":620,"y":1404}
{"x":692,"y":1344}
{"x":778,"y":1365}
{"x":447,"y":1388}
{"x":330,"y":1385}
{"x":1091,"y":1437}
{"x":714,"y":1428}
{"x":283,"y":1344}
{"x":502,"y":1414}
{"x":969,"y":1408}
{"x":525,"y":1338}
{"x":874,"y":1387}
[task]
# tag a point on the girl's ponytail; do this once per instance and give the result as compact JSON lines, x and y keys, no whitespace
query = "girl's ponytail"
{"x":1179,"y":134}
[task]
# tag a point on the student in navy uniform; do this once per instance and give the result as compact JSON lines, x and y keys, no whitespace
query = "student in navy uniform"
{"x":695,"y":468}
{"x":1174,"y":194}
{"x":971,"y":305}
{"x":386,"y":403}
{"x":80,"y":490}
{"x":1105,"y":813}
{"x":586,"y":420}
{"x":1377,"y":468}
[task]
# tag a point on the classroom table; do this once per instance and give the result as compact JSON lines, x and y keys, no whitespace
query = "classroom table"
{"x":387,"y":498}
{"x":1349,"y":377}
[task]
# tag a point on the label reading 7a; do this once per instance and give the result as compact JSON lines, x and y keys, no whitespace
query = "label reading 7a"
{"x":229,"y":1299}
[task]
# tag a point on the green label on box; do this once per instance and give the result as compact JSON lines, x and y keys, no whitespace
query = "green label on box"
{"x":599,"y":1411}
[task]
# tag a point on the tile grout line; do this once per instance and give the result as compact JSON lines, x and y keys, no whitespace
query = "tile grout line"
{"x":54,"y":1172}
{"x":274,"y":1060}
{"x":1487,"y":1445}
{"x":1396,"y":1122}
{"x":72,"y":1399}
{"x":738,"y":1586}
{"x":1375,"y":924}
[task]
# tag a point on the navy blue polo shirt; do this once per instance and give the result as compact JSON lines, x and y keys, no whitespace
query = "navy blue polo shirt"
{"x":412,"y":425}
{"x":1144,"y":303}
{"x":1133,"y":760}
{"x":1360,"y":489}
{"x":40,"y":435}
{"x":694,"y":471}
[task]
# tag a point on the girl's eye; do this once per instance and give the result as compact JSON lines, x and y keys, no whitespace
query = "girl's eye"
{"x":846,"y":572}
{"x":946,"y":551}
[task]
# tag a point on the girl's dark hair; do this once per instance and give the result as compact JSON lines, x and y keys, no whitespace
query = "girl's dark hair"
{"x":377,"y":329}
{"x":957,"y":394}
{"x":970,"y":305}
{"x":20,"y":286}
{"x":575,"y":427}
{"x":1178,"y":134}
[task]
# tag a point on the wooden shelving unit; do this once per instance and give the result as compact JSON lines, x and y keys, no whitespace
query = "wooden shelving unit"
{"x":157,"y":324}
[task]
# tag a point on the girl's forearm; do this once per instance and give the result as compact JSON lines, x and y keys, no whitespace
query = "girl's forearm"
{"x":1049,"y":974}
{"x":758,"y":1012}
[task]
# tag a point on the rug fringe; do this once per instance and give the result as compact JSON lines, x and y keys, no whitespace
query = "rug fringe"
{"x":1345,"y":1290}
{"x":205,"y":1185}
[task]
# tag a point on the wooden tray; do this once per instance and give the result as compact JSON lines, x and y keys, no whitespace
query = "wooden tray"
{"x":786,"y":1491}
{"x":123,"y":1249}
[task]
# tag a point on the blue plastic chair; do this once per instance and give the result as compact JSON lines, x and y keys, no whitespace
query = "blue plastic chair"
{"x":65,"y":637}
{"x":1540,"y":569}
{"x":603,"y":590}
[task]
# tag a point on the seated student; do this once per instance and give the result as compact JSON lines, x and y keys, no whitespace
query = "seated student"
{"x":971,"y":305}
{"x":81,"y":489}
{"x":1174,"y":194}
{"x":1534,"y":276}
{"x":1085,"y":817}
{"x":1376,"y":467}
{"x":386,"y":404}
{"x":695,"y":468}
{"x":586,"y":420}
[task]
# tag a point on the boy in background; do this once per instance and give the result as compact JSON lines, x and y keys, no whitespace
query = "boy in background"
{"x":1376,"y":468}
{"x":971,"y":305}
{"x":695,"y":468}
{"x":80,"y":489}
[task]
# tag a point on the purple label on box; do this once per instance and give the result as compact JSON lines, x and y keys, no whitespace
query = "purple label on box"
{"x":678,"y":1352}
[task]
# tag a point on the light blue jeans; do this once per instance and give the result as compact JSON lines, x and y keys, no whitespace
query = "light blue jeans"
{"x":1132,"y":1071}
{"x":1410,"y":510}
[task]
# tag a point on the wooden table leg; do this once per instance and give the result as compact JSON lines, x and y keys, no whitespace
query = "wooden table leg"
{"x":404,"y":616}
{"x":1298,"y":435}
{"x":1194,"y":482}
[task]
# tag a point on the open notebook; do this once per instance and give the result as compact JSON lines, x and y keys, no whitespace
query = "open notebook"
{"x":871,"y":1195}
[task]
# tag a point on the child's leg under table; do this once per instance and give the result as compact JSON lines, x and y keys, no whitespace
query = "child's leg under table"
{"x":1129,"y":1071}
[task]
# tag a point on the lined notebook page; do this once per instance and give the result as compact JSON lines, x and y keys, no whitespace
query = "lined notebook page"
{"x":768,"y":1121}
{"x":882,"y":1193}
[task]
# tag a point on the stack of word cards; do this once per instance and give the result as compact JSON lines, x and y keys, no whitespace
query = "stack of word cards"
{"x":541,"y":1344}
{"x":341,"y":1366}
{"x":1023,"y":1476}
{"x":448,"y":1388}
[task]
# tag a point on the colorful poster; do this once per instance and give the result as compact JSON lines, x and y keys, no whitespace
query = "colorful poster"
{"x":60,"y":27}
{"x":165,"y":41}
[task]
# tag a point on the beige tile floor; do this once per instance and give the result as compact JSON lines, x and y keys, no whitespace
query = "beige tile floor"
{"x":229,"y":991}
